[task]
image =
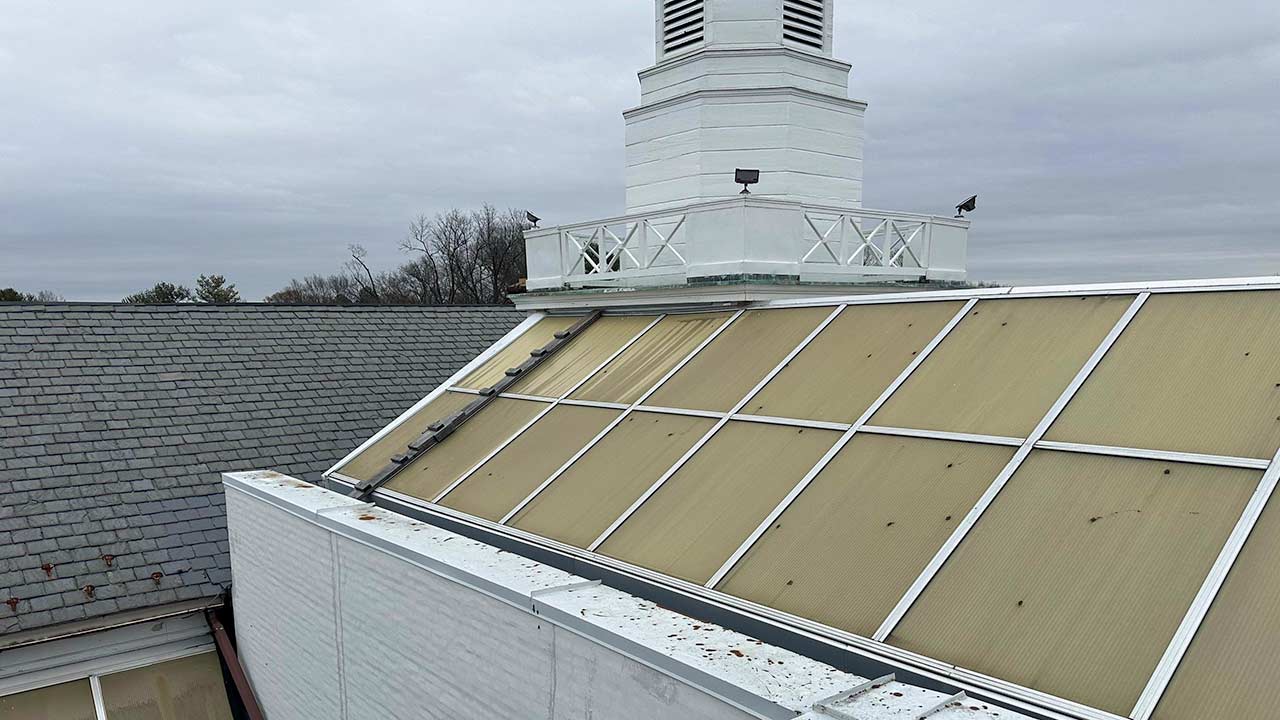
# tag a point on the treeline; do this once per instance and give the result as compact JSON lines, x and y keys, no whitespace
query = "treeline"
{"x":457,"y":258}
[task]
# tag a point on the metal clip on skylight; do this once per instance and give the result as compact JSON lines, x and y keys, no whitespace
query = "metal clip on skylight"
{"x":437,"y":432}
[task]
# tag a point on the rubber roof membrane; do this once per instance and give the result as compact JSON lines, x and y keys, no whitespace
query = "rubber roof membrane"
{"x":1037,"y":487}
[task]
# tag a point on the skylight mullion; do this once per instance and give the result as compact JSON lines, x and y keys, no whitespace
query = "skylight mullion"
{"x":538,"y":416}
{"x":844,"y":440}
{"x":942,"y":435}
{"x":590,"y":444}
{"x":715,"y":428}
{"x":1213,"y":582}
{"x":1169,"y":455}
{"x":927,"y":575}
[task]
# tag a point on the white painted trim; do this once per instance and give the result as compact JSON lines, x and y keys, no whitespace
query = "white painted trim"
{"x":715,"y":428}
{"x":942,"y":435}
{"x":479,"y":360}
{"x":1173,"y":655}
{"x":544,"y":411}
{"x":618,"y":420}
{"x":688,"y":412}
{"x":99,"y":705}
{"x":1167,"y":455}
{"x":971,"y":519}
{"x":838,"y":446}
{"x":791,"y":422}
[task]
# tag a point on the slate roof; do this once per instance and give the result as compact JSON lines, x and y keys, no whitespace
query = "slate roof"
{"x":116,"y":420}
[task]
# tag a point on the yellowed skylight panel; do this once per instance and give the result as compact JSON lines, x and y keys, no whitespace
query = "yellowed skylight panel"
{"x":640,"y":366}
{"x":854,"y":541}
{"x":1001,"y":369}
{"x":495,"y":368}
{"x":1232,"y":669}
{"x":190,"y":687}
{"x":66,"y":701}
{"x":696,"y":520}
{"x":843,"y":370}
{"x":1194,"y":372}
{"x":1075,"y":579}
{"x":432,"y":472}
{"x":726,"y":369}
{"x":506,"y":479}
{"x":367,"y":464}
{"x":575,"y":361}
{"x":602,"y":484}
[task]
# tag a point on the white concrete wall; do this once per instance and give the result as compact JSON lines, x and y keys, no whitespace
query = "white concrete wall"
{"x":345,"y":611}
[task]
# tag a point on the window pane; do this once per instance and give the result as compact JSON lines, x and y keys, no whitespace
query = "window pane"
{"x":603,"y":483}
{"x":1195,"y":372}
{"x":517,"y":352}
{"x":186,"y":689}
{"x":1075,"y":579}
{"x":1004,"y":365}
{"x":695,"y":521}
{"x":365,"y":465}
{"x":444,"y":463}
{"x":871,"y":520}
{"x":68,"y":701}
{"x":838,"y":375}
{"x":633,"y":372}
{"x":575,"y":361}
{"x":1232,"y":669}
{"x":512,"y":474}
{"x":727,"y":369}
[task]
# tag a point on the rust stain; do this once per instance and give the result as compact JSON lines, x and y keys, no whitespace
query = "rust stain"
{"x":88,"y":591}
{"x":48,"y":569}
{"x":156,"y":577}
{"x":108,"y":559}
{"x":12,"y":603}
{"x":368,"y":517}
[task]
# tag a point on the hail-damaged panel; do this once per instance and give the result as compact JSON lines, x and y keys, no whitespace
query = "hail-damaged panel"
{"x":1193,"y":372}
{"x":375,"y":457}
{"x":574,"y":362}
{"x":507,"y":478}
{"x":1075,"y":579}
{"x":577,"y":506}
{"x":432,"y":472}
{"x":1004,"y":365}
{"x":495,"y":368}
{"x":695,"y":521}
{"x":895,"y":500}
{"x":843,"y":370}
{"x":642,"y":365}
{"x":189,"y":687}
{"x":739,"y":358}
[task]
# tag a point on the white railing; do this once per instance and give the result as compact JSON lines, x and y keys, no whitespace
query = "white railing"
{"x":625,"y":247}
{"x":747,"y":237}
{"x":866,"y":239}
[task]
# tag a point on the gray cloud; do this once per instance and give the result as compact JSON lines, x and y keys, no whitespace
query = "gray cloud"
{"x":141,"y":142}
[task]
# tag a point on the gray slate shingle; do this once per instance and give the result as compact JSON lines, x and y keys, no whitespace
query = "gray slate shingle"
{"x":116,"y":420}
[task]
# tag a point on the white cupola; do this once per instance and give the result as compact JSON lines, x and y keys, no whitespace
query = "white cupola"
{"x":743,"y":83}
{"x":751,"y":85}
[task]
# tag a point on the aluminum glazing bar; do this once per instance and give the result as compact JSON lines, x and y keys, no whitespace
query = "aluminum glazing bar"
{"x":716,"y":428}
{"x":437,"y":432}
{"x":539,"y":415}
{"x":971,"y":519}
{"x":1168,"y":664}
{"x":839,"y":445}
{"x":1167,"y":455}
{"x":616,"y":421}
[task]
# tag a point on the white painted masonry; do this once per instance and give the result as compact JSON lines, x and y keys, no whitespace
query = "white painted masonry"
{"x":344,"y":610}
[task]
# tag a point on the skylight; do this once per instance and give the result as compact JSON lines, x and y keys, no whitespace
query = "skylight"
{"x":1047,"y":488}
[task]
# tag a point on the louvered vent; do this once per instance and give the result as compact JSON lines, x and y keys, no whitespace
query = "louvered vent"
{"x":803,"y":22}
{"x":681,"y":25}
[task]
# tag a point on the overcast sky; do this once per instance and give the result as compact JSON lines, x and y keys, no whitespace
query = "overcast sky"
{"x":145,"y":141}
